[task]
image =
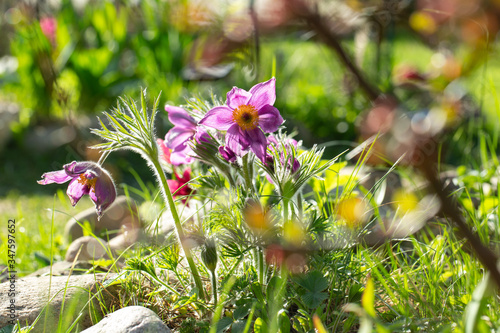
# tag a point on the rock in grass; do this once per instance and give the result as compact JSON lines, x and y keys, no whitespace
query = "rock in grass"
{"x":131,"y":319}
{"x":87,"y":248}
{"x":121,"y":215}
{"x":69,"y":297}
{"x":63,"y":268}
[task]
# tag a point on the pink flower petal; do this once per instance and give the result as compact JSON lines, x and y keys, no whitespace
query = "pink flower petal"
{"x":237,"y":97}
{"x":269,"y":119}
{"x":178,"y":136}
{"x":58,"y":177}
{"x":263,"y":93}
{"x":103,"y":193}
{"x":220,"y":117}
{"x":173,"y":185}
{"x":77,"y":168}
{"x":237,"y":140}
{"x":181,"y":155}
{"x":179,"y":117}
{"x":258,"y":143}
{"x":76,"y":190}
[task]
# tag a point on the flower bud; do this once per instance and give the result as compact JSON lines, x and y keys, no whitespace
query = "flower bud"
{"x":209,"y":254}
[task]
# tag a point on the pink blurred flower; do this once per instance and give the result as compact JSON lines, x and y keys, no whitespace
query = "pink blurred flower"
{"x":49,"y":27}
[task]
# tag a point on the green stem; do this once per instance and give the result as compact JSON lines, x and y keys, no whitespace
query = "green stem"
{"x":285,"y":209}
{"x":246,"y":174}
{"x":214,"y":287}
{"x":261,"y":266}
{"x":178,"y":226}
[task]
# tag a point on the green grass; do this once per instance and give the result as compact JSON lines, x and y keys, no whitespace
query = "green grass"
{"x":39,"y":232}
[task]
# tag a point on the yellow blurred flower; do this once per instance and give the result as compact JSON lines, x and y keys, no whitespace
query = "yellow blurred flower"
{"x":293,"y":233}
{"x":404,"y":201}
{"x":352,"y":211}
{"x":423,"y":22}
{"x":256,"y":217}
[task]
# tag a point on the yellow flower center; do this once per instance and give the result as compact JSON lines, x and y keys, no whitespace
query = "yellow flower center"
{"x":85,"y":181}
{"x":246,"y":116}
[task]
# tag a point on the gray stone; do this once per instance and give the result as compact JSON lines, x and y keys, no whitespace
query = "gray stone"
{"x":63,"y":268}
{"x":131,"y":319}
{"x":87,"y":248}
{"x":68,"y":298}
{"x":121,"y":215}
{"x":127,"y":239}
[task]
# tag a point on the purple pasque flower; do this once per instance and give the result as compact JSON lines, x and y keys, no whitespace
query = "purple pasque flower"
{"x":179,"y":136}
{"x":85,"y":178}
{"x":246,"y":116}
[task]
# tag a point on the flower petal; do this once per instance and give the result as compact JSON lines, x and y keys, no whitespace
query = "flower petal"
{"x":178,"y":136}
{"x":263,"y":93}
{"x":202,"y":135}
{"x":58,"y":177}
{"x":181,"y":155}
{"x":75,"y":168}
{"x":258,"y":143}
{"x":269,"y":118}
{"x":173,"y":185}
{"x":186,"y":176}
{"x":164,"y":150}
{"x":237,"y":97}
{"x":227,"y":154}
{"x":103,"y":193}
{"x":180,"y":117}
{"x":76,"y":190}
{"x":237,"y":140}
{"x":220,"y":117}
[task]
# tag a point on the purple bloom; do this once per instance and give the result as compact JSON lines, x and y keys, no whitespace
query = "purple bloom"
{"x":85,"y":178}
{"x":227,"y":154}
{"x":179,"y":136}
{"x":246,"y":117}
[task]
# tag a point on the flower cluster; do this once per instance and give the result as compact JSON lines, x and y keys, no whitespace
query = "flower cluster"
{"x":242,"y":122}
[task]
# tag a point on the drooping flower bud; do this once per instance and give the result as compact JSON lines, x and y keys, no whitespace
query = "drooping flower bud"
{"x":209,"y":254}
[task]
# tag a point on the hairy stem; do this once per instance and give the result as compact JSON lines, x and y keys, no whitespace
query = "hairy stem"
{"x":246,"y":174}
{"x":214,"y":287}
{"x":178,"y":226}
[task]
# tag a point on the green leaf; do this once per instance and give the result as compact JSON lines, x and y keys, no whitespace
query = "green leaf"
{"x":257,"y":291}
{"x":224,"y":323}
{"x":476,"y":307}
{"x":242,"y":311}
{"x":7,"y":329}
{"x":313,"y":299}
{"x":313,"y":281}
{"x":260,"y":326}
{"x":283,"y":322}
{"x":368,"y":298}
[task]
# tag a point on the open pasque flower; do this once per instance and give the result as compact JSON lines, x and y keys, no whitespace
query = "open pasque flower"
{"x":85,"y":178}
{"x":246,"y":116}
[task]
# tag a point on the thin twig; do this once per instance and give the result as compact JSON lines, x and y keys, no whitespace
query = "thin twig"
{"x":450,"y":208}
{"x":317,"y":23}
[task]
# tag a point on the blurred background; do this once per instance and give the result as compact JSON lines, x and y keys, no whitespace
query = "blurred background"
{"x":63,"y":62}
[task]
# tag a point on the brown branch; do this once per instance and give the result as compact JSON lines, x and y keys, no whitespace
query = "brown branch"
{"x":450,"y":208}
{"x":317,"y":24}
